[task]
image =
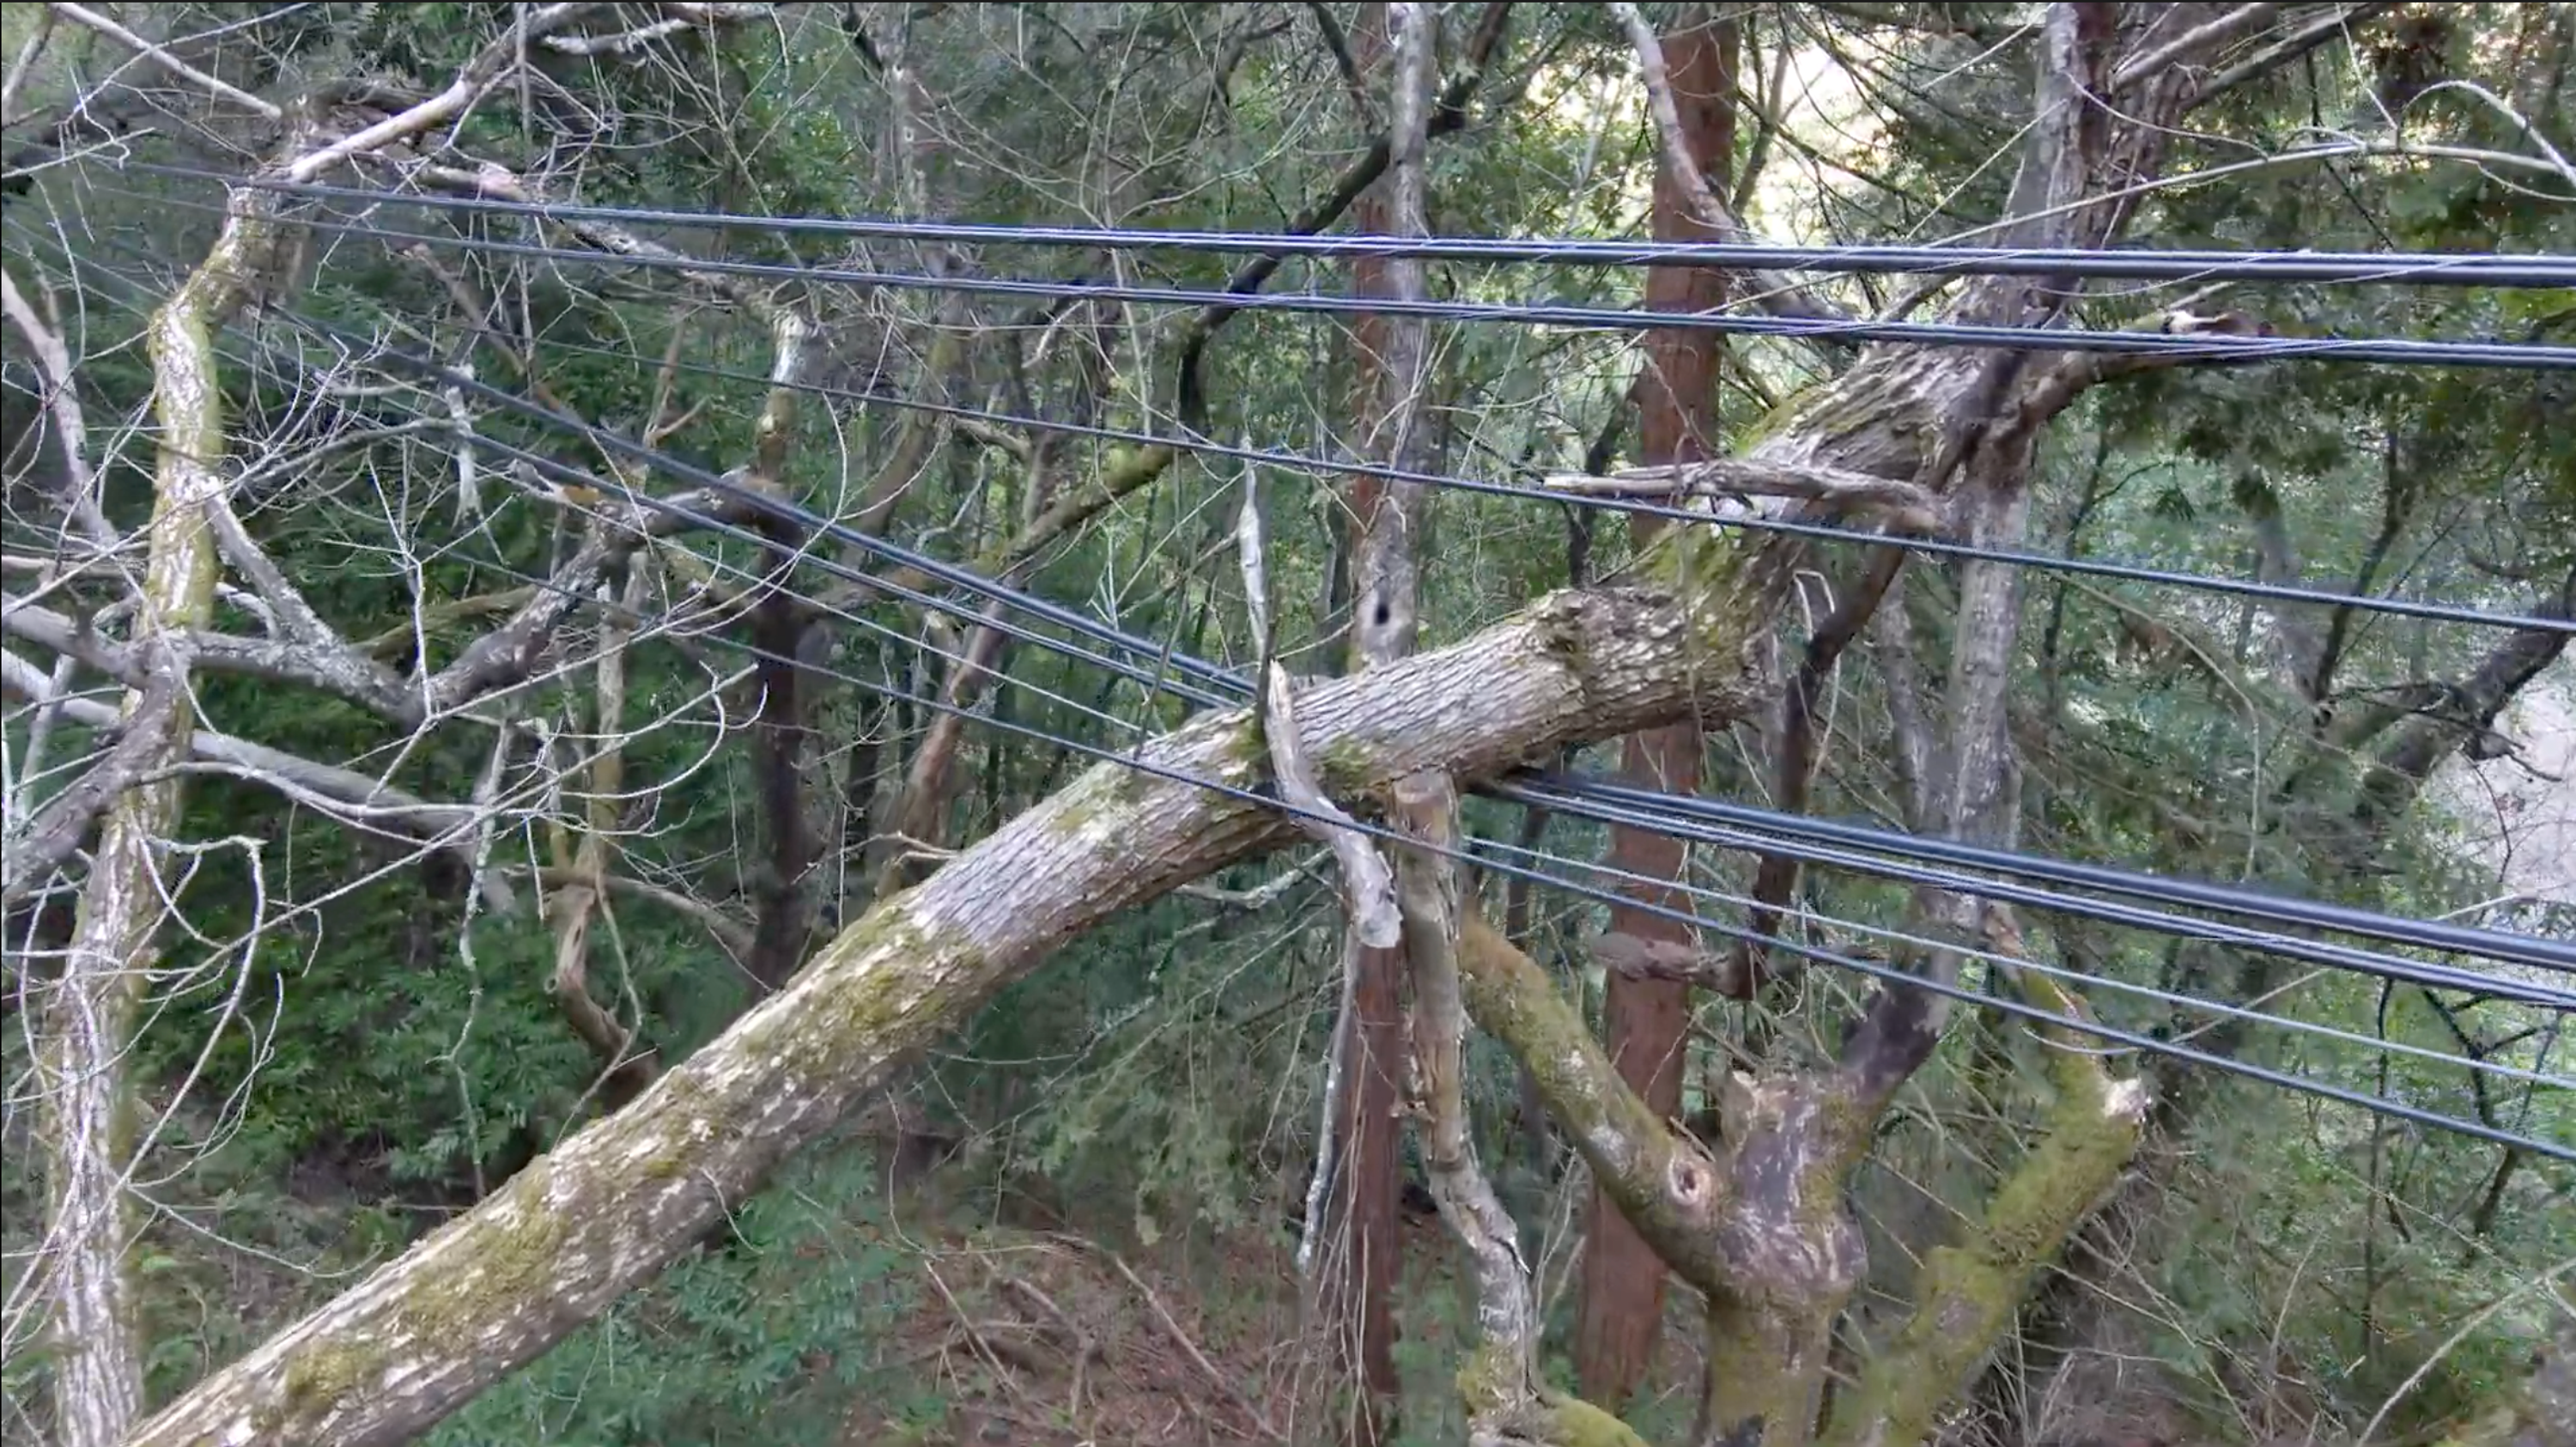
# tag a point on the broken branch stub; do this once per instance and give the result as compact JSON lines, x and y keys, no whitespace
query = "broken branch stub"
{"x":1368,"y":888}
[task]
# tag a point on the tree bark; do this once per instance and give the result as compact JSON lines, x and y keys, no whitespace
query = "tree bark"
{"x":1498,"y":1384}
{"x":1620,"y":1313}
{"x":1362,"y":1243}
{"x":614,"y":1204}
{"x":1966,"y":1292}
{"x":86,"y":1120}
{"x":783,"y":920}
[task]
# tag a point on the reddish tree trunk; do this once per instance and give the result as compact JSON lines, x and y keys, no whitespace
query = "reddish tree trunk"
{"x":1647,"y":1021}
{"x":1362,"y":1253}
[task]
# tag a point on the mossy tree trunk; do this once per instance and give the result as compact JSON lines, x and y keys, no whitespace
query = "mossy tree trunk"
{"x":1758,"y":1227}
{"x":614,"y":1204}
{"x":87,"y":1119}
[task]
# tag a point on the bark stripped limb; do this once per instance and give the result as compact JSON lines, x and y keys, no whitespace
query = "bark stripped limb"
{"x":1497,"y":1384}
{"x":1903,"y":506}
{"x":1368,"y":888}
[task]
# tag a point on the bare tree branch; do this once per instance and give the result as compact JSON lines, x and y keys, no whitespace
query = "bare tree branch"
{"x":1368,"y":888}
{"x":222,"y":90}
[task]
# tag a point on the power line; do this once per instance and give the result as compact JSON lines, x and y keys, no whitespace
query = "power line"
{"x":1231,"y":688}
{"x":1937,"y":547}
{"x":2487,"y":269}
{"x":2288,"y":1024}
{"x":2449,"y":938}
{"x":1888,"y":975}
{"x":2208,"y":347}
{"x":2205,"y":347}
{"x":1479,"y":851}
{"x":671,"y":464}
{"x":2250,"y":588}
{"x":2337,"y":957}
{"x":2284,"y":909}
{"x":1674,"y":823}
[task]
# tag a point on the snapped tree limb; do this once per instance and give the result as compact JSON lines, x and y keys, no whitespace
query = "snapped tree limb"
{"x":620,"y":1199}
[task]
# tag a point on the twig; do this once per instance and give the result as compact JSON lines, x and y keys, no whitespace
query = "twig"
{"x":24,"y":64}
{"x":1258,"y":897}
{"x":683,"y":17}
{"x":1191,"y":1349}
{"x":974,"y":1336}
{"x":1083,"y":1346}
{"x":2201,"y":38}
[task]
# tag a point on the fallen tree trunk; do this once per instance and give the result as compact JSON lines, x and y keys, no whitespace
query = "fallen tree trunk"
{"x":617,"y":1202}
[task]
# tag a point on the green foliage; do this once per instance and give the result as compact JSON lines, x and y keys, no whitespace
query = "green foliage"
{"x":771,"y":1337}
{"x":377,"y":1061}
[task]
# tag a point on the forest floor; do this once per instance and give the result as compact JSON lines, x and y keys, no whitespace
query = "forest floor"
{"x":1062,"y":1329}
{"x":1022,"y":1317}
{"x":1057,"y":1332}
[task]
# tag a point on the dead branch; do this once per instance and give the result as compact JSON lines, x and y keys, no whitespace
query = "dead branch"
{"x":1903,"y":506}
{"x":1190,"y":1348}
{"x":222,"y":90}
{"x":1499,"y":1384}
{"x":680,"y":17}
{"x":1645,"y":959}
{"x":1368,"y":888}
{"x":2193,"y":43}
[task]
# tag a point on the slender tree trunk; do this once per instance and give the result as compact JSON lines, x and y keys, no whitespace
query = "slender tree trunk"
{"x":1647,"y":1021}
{"x":87,"y":1118}
{"x":1363,"y":1248}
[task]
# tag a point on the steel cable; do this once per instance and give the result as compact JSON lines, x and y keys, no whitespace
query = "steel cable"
{"x":1865,"y":967}
{"x":2488,"y":269}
